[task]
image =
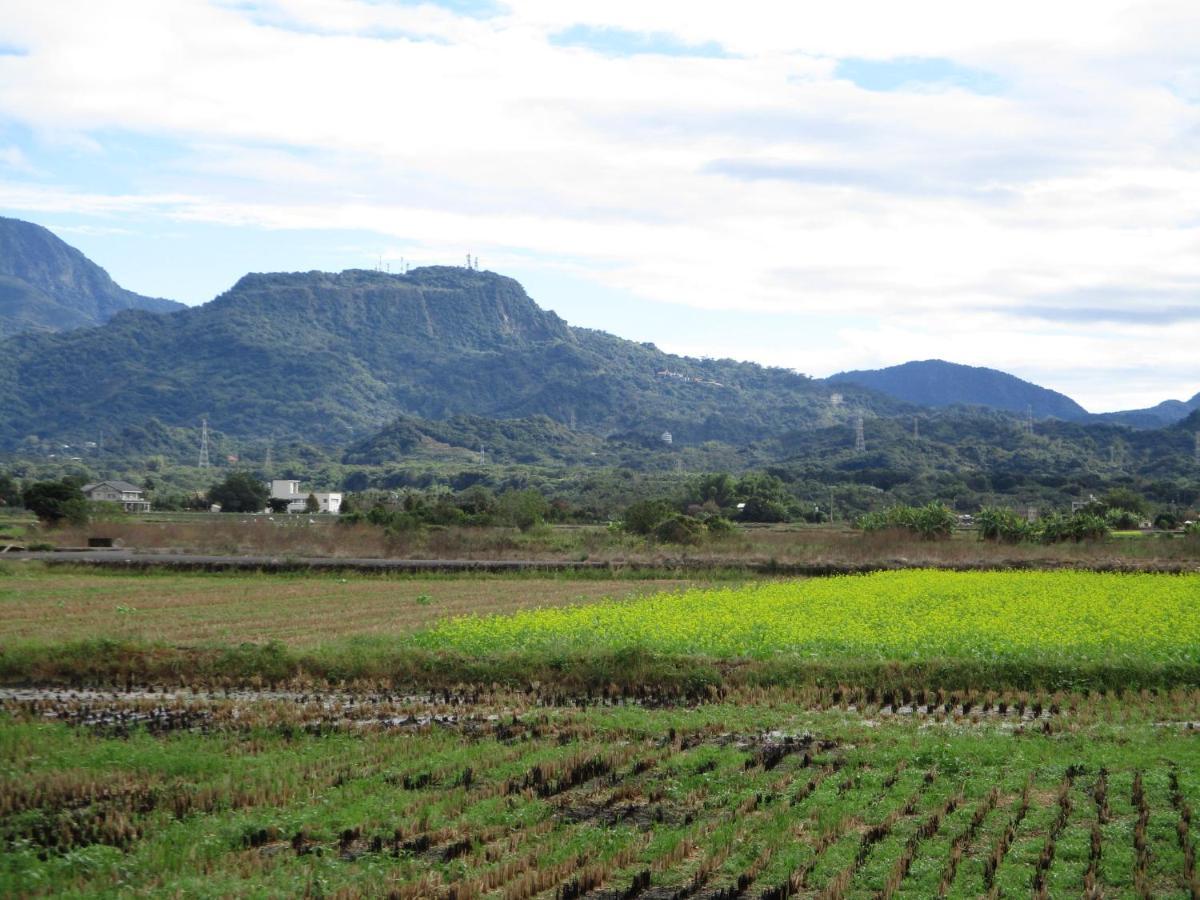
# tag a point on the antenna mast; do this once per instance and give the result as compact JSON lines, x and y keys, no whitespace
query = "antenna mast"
{"x":204,"y":462}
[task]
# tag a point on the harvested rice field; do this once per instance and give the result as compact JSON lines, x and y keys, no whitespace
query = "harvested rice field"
{"x":495,"y":795}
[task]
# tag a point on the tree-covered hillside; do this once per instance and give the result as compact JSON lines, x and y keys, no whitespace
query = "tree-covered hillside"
{"x":48,"y":285}
{"x":332,"y":358}
{"x":934,"y":382}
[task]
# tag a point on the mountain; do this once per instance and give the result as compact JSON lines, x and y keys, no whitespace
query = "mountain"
{"x":936,"y":383}
{"x":48,"y":285}
{"x":332,"y":358}
{"x":1166,"y":413}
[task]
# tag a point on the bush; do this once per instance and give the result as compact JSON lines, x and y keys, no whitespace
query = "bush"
{"x":1002,"y":525}
{"x":680,"y":529}
{"x":933,"y":521}
{"x":1082,"y":526}
{"x":644,"y":516}
{"x":1122,"y":519}
{"x":1166,"y":521}
{"x":525,"y":509}
{"x":719,"y":526}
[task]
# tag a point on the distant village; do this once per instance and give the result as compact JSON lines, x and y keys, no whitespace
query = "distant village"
{"x":286,"y":496}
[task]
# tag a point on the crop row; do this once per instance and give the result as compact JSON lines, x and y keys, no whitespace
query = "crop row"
{"x":716,"y":801}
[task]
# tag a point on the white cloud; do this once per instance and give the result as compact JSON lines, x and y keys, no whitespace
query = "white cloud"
{"x":757,"y":181}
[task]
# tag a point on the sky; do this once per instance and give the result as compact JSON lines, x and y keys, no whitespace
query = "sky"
{"x":818,"y":186}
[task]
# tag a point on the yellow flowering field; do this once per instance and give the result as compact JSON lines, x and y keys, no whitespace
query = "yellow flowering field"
{"x":909,"y":615}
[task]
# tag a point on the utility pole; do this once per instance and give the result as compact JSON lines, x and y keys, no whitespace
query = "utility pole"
{"x":204,"y":462}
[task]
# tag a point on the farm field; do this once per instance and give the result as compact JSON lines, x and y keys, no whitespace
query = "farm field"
{"x":916,"y":734}
{"x":66,"y":604}
{"x":911,"y":615}
{"x":910,"y":629}
{"x":764,"y":795}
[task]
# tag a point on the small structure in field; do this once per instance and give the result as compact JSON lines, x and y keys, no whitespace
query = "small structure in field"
{"x":131,"y":497}
{"x":283,"y":489}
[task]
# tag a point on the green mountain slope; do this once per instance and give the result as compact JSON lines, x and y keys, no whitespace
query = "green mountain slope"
{"x":334,"y":357}
{"x":934,"y":382}
{"x":48,"y":285}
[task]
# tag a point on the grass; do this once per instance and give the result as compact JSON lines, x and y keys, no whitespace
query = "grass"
{"x":304,"y":536}
{"x":760,"y":792}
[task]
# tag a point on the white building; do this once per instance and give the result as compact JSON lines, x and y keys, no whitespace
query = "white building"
{"x":283,"y":489}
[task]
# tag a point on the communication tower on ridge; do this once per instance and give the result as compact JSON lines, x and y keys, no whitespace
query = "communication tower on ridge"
{"x":204,"y":462}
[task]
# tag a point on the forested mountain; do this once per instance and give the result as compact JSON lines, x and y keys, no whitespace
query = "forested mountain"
{"x":936,"y":383}
{"x":1165,"y":413}
{"x":48,"y":285}
{"x":332,"y":358}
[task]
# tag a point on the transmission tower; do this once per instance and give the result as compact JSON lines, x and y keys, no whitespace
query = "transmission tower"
{"x":204,"y":463}
{"x":860,"y":440}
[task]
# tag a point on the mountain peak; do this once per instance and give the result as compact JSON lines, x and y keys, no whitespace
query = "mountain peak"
{"x":447,"y":305}
{"x":936,"y":382}
{"x":48,"y":285}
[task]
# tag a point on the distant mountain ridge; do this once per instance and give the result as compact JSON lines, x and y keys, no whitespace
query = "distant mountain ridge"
{"x":1166,"y":413}
{"x":333,"y":358}
{"x":937,"y":383}
{"x":48,"y":285}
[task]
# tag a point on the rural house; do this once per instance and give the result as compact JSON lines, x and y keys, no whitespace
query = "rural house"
{"x":131,"y":497}
{"x":283,"y":489}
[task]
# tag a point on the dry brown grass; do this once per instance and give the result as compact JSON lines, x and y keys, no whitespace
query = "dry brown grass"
{"x":298,"y":536}
{"x":59,"y":605}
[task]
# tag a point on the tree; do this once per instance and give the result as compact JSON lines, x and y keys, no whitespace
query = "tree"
{"x":10,"y":491}
{"x":312,"y":504}
{"x":55,"y":502}
{"x":525,"y":509}
{"x":239,"y":492}
{"x":1124,"y":498}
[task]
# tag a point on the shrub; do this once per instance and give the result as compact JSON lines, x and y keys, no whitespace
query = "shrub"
{"x":931,"y":522}
{"x":644,"y":516}
{"x":1122,"y":519}
{"x":1002,"y":525}
{"x":680,"y":529}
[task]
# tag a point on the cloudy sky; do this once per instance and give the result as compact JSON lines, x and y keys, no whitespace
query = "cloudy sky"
{"x":820,"y":186}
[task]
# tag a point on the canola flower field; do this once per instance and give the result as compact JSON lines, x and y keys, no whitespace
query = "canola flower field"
{"x":906,"y":616}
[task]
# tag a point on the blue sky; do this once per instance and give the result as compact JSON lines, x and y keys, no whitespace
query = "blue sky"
{"x":815,"y":187}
